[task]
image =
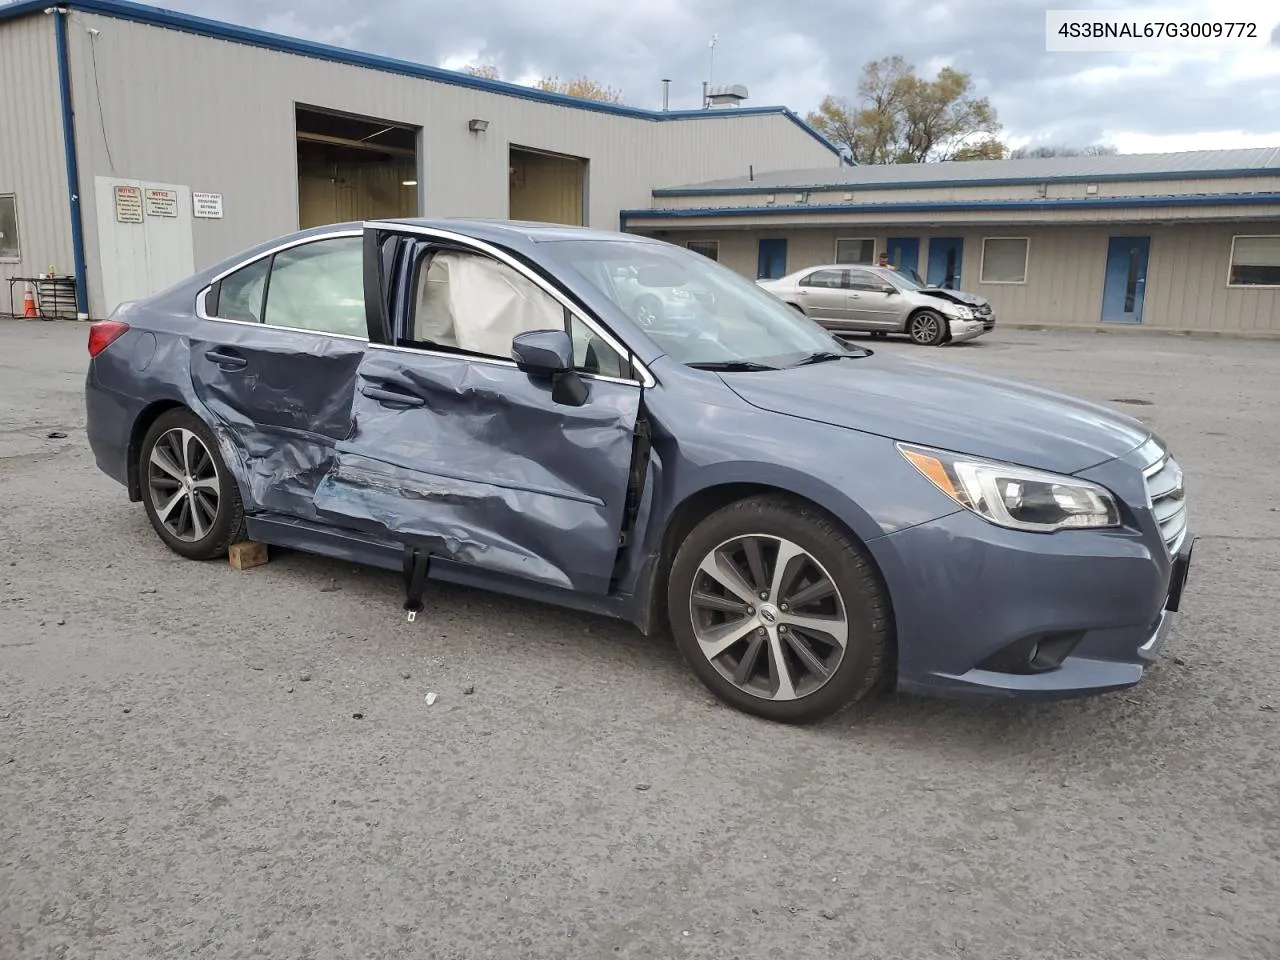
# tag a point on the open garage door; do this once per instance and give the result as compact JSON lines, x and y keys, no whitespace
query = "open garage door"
{"x":354,"y":168}
{"x":548,"y":187}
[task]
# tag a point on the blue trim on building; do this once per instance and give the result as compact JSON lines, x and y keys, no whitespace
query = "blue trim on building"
{"x":1072,"y":203}
{"x":158,"y":17}
{"x":73,"y":165}
{"x":942,"y":184}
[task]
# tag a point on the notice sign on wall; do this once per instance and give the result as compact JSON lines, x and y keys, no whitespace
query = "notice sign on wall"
{"x":128,"y":204}
{"x":207,"y":206}
{"x":160,"y":203}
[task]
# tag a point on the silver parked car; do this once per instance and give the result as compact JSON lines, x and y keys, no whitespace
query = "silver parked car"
{"x":883,"y":300}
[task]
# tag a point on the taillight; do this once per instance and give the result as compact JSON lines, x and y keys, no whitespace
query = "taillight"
{"x":104,"y":333}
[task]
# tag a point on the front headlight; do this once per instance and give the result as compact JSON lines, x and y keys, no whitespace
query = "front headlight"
{"x":957,"y":311}
{"x":680,"y":293}
{"x":1016,"y":497}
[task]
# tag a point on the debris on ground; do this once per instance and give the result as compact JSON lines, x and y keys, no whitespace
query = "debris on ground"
{"x":642,"y":786}
{"x":357,"y":716}
{"x":404,"y":674}
{"x":56,"y":435}
{"x":431,"y":698}
{"x":469,"y":689}
{"x":305,"y":678}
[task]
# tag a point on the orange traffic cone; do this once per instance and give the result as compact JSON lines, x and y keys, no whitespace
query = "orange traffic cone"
{"x":29,"y":305}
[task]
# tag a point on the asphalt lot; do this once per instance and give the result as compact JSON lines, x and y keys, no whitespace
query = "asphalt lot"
{"x":181,"y":774}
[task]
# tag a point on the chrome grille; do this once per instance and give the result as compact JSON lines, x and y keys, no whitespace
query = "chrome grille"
{"x":1167,"y":494}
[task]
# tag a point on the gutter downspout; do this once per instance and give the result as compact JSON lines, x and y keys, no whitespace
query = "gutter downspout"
{"x":73,"y":167}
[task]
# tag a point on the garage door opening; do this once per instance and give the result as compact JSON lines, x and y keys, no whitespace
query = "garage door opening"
{"x":548,"y":187}
{"x":354,"y":168}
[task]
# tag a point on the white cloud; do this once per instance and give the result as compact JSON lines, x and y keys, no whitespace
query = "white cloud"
{"x":1127,"y":142}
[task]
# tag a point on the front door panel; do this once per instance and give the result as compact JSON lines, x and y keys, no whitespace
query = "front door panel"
{"x":1126,"y":279}
{"x":946,"y":255}
{"x":869,"y":305}
{"x":282,"y":398}
{"x":478,"y":458}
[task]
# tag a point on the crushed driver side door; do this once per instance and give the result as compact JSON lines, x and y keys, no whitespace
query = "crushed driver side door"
{"x":453,"y":445}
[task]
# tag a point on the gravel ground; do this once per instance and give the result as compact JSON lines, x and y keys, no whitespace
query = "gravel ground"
{"x":183,"y":773}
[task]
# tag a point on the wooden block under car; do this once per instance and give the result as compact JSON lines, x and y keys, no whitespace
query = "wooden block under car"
{"x":246,"y":554}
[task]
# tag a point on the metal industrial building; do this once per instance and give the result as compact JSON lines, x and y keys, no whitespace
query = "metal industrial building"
{"x":1183,"y":241}
{"x":138,"y":144}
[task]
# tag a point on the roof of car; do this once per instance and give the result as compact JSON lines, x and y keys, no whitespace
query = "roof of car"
{"x":535,"y":232}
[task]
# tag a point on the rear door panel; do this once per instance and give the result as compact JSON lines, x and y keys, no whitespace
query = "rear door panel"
{"x":282,"y":399}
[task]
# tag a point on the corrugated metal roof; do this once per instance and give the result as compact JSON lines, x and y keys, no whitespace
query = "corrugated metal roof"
{"x":201,"y":26}
{"x":1192,"y":164}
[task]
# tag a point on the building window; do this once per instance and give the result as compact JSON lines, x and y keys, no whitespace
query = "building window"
{"x":9,"y":248}
{"x":1004,"y":259}
{"x":856,"y":250}
{"x":1255,"y":262}
{"x":708,"y":248}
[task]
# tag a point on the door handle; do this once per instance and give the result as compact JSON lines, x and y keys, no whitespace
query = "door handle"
{"x":226,"y":359}
{"x":393,"y":397}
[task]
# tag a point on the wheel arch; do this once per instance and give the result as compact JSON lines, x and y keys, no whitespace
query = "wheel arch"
{"x":699,"y":504}
{"x":924,"y":308}
{"x":141,"y":424}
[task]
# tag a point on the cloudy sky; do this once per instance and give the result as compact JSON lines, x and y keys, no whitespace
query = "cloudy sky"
{"x":794,"y":53}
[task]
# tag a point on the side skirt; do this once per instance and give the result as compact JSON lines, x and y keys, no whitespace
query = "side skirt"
{"x":363,"y":548}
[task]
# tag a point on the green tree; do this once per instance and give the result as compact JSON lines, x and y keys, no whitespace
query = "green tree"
{"x":900,"y":117}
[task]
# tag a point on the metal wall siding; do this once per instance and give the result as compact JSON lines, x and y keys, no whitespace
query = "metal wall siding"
{"x":31,"y":154}
{"x":1186,"y":285}
{"x":221,"y":120}
{"x":1150,"y":188}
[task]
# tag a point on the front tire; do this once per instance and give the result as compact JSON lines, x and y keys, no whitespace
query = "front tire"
{"x":189,"y":494}
{"x":927,"y":328}
{"x":779,"y":611}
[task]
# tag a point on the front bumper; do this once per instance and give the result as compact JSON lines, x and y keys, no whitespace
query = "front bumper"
{"x":962,"y":330}
{"x":976,"y":598}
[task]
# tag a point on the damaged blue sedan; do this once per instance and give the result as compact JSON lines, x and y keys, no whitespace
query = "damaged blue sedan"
{"x":482,"y":403}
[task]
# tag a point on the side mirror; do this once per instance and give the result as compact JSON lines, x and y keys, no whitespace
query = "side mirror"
{"x":548,"y":355}
{"x":542,"y":353}
{"x":889,"y":288}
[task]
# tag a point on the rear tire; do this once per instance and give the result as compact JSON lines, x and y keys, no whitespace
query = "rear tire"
{"x":927,"y":328}
{"x":826,"y":615}
{"x":190,"y":497}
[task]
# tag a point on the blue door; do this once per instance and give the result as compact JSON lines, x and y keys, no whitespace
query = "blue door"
{"x":946,"y":255}
{"x":772,"y":261}
{"x":904,"y":253}
{"x":1126,"y":279}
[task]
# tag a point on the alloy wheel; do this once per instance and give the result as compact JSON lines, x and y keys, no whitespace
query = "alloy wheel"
{"x":768,"y":617}
{"x":182,"y":480}
{"x":925,"y":328}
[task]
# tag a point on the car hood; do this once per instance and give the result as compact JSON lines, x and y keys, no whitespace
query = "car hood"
{"x":954,"y":409}
{"x":955,"y":296}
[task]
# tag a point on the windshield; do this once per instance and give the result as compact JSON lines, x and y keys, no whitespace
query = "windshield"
{"x":697,"y":311}
{"x":909,"y":279}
